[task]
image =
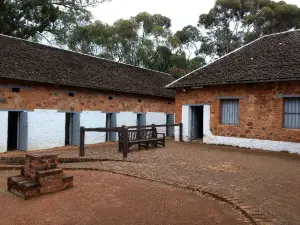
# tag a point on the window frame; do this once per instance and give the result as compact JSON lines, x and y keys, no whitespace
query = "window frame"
{"x":237,"y":113}
{"x":289,"y":113}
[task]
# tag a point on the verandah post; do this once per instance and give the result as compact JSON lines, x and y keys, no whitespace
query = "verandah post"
{"x":82,"y":136}
{"x":139,"y":131}
{"x":180,"y":132}
{"x":125,"y":141}
{"x":153,"y":130}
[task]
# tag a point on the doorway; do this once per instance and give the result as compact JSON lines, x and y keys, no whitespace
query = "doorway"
{"x":141,"y":119}
{"x":17,"y":131}
{"x":72,"y":129}
{"x":196,"y":123}
{"x":111,"y":121}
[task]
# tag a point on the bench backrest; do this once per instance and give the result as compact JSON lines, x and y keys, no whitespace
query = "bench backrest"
{"x":140,"y":134}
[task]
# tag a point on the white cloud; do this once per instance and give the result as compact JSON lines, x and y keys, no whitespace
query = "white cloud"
{"x":181,"y":12}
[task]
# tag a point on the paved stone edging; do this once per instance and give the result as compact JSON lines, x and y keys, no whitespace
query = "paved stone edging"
{"x":21,"y":160}
{"x":252,"y":214}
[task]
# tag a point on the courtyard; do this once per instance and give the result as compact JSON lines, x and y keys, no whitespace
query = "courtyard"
{"x":263,"y":186}
{"x":103,"y":198}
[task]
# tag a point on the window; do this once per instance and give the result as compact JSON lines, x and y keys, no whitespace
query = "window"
{"x":291,"y":113}
{"x":230,"y":111}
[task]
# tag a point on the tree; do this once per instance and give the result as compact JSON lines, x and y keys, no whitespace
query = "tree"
{"x":65,"y":26}
{"x":26,"y":18}
{"x":143,"y":40}
{"x":181,"y":65}
{"x":140,"y":40}
{"x":233,"y":23}
{"x":188,"y":40}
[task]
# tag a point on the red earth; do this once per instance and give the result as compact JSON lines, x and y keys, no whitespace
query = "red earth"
{"x":105,"y":198}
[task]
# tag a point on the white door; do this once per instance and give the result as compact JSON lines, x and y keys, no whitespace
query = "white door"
{"x":23,"y":131}
{"x":75,"y":129}
{"x":170,"y":120}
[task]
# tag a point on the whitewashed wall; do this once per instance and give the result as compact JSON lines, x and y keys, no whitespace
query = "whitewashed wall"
{"x":186,"y":124}
{"x":3,"y":130}
{"x":209,"y":138}
{"x":93,"y":119}
{"x":157,"y":118}
{"x":46,"y":129}
{"x":126,"y":118}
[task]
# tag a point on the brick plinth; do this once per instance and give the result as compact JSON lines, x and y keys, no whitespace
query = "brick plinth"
{"x":40,"y":175}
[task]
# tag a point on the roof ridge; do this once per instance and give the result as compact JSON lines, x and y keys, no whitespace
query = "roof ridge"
{"x":80,"y":53}
{"x":265,"y":36}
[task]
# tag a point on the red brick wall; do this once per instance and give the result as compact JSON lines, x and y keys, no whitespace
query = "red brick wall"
{"x":38,"y":96}
{"x":260,"y":111}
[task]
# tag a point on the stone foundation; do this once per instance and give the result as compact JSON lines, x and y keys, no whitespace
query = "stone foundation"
{"x":40,"y":175}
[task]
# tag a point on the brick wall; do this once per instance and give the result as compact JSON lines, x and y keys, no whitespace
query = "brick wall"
{"x":260,"y":109}
{"x":36,"y":96}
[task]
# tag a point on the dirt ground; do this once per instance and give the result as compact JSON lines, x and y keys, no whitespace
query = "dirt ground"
{"x":109,"y":199}
{"x":267,"y":181}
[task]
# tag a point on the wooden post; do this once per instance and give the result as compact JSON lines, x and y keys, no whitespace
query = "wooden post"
{"x":121,"y":138}
{"x":139,"y":131}
{"x":81,"y":147}
{"x":153,"y":130}
{"x":125,"y":142}
{"x":180,"y":132}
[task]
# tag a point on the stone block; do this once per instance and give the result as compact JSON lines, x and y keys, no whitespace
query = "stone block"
{"x":68,"y":181}
{"x":50,"y":172}
{"x":51,"y":186}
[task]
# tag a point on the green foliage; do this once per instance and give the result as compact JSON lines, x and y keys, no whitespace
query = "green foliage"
{"x":27,"y":18}
{"x":24,"y":18}
{"x":177,"y":72}
{"x":146,"y":40}
{"x":232,"y":23}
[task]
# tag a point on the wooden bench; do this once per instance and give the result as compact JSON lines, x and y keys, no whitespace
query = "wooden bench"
{"x":143,"y":138}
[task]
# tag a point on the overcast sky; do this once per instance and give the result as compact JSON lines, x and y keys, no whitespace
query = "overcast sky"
{"x":181,"y":12}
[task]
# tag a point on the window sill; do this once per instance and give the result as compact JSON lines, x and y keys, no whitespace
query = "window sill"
{"x":227,"y":124}
{"x":291,"y":128}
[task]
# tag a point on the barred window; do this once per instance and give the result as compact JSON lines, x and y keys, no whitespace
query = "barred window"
{"x":230,"y":111}
{"x":291,"y":113}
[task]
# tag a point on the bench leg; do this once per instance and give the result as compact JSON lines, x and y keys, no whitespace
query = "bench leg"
{"x":147,"y":145}
{"x":120,"y":147}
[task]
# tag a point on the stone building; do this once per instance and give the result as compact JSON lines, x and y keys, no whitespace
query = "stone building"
{"x":247,"y":98}
{"x":47,"y":93}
